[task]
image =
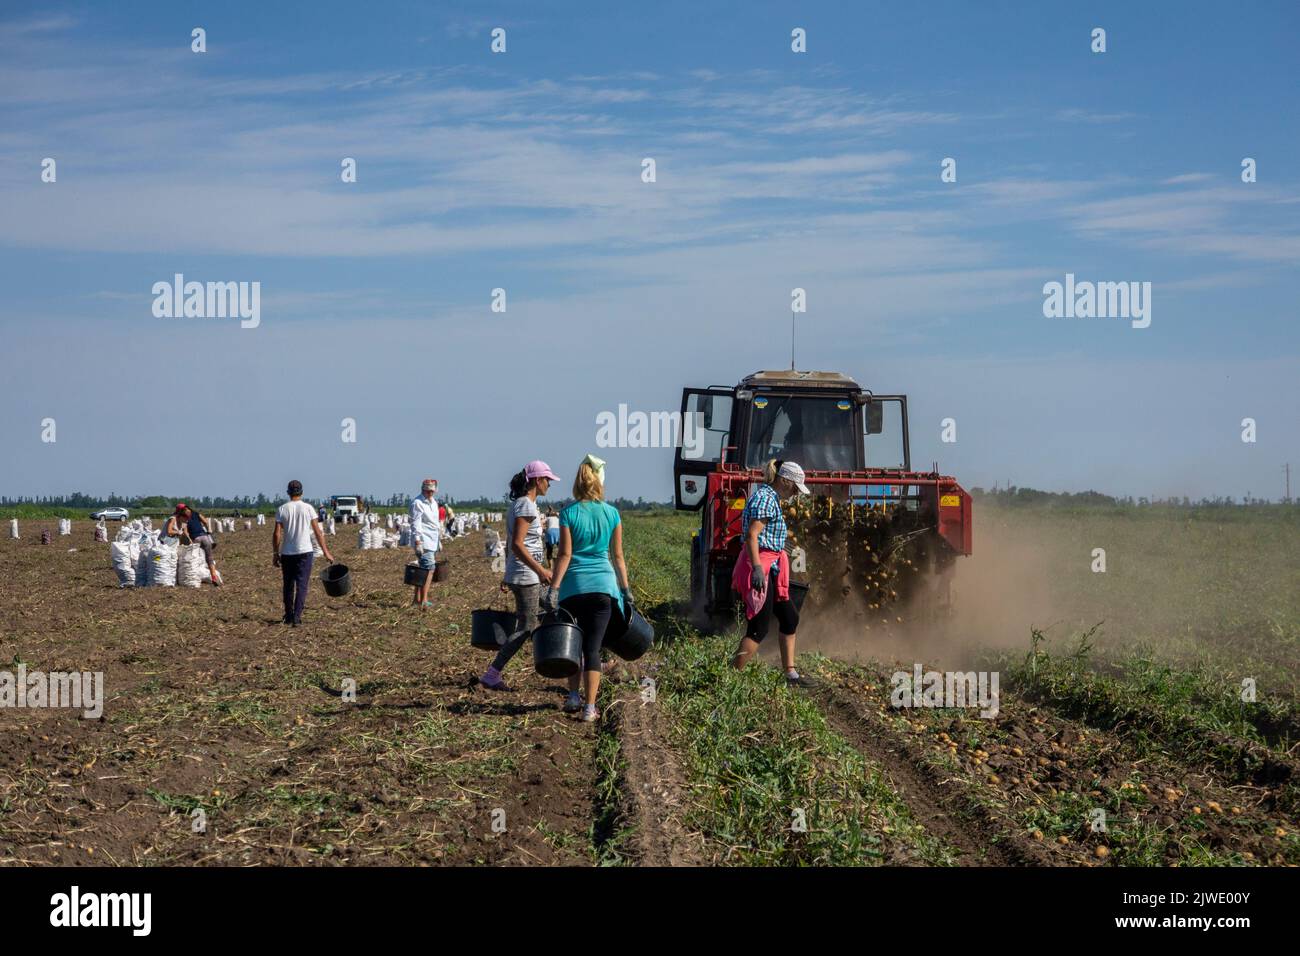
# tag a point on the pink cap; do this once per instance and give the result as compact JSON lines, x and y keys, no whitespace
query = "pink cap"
{"x":540,"y":469}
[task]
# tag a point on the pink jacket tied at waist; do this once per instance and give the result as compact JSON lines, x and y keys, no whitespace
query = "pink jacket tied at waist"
{"x":755,"y":599}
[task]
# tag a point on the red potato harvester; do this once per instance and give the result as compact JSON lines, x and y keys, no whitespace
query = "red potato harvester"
{"x":873,"y":534}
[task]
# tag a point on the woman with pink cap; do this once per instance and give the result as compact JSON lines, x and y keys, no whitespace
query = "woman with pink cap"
{"x":525,"y":573}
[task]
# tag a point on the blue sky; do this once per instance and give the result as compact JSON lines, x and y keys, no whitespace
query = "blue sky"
{"x":522,"y":171}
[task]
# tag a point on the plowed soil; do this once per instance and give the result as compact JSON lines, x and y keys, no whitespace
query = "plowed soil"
{"x":213,"y":705}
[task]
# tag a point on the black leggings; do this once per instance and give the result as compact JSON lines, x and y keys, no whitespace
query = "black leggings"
{"x":592,"y":613}
{"x":787,"y":616}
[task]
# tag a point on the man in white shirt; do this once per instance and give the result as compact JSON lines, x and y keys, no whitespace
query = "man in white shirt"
{"x":425,"y":529}
{"x":295,"y":523}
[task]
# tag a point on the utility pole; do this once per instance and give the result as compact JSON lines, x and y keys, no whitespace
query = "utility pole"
{"x":1287,"y":468}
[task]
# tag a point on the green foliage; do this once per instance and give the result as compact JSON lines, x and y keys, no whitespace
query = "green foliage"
{"x":757,"y":751}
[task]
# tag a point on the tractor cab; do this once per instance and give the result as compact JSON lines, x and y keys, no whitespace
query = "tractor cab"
{"x":823,"y":420}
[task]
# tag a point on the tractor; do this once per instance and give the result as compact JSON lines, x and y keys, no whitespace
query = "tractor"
{"x":873,"y":533}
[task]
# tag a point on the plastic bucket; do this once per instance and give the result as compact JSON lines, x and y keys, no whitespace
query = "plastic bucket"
{"x":337,"y":580}
{"x":797,"y":593}
{"x":634,"y":637}
{"x":441,"y":570}
{"x":489,"y":629}
{"x":557,"y":646}
{"x":414,"y":575}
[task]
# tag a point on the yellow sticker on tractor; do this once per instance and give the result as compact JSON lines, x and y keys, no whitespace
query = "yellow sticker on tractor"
{"x":950,"y":501}
{"x":738,"y":504}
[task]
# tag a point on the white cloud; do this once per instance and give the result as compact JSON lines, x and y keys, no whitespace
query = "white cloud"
{"x":1094,"y":116}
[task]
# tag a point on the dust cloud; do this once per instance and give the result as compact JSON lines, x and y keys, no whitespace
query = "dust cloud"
{"x":994,"y":597}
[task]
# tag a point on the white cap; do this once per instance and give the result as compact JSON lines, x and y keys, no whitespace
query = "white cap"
{"x":791,"y":471}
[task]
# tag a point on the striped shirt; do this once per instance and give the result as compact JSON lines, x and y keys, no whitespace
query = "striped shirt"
{"x":766,"y":506}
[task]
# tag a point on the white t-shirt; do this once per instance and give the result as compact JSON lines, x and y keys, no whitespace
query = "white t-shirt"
{"x":296,"y":518}
{"x":552,"y":522}
{"x":523,"y":509}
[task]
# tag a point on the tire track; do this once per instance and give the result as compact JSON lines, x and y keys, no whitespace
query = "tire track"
{"x":941,"y":808}
{"x":652,"y":783}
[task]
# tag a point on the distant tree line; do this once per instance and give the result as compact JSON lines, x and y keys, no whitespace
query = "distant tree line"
{"x":1010,"y":495}
{"x":1013,"y":496}
{"x":262,"y":502}
{"x":143,"y":503}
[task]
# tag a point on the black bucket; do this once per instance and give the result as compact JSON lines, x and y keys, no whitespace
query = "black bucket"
{"x":557,"y":646}
{"x":489,"y":629}
{"x":441,"y":570}
{"x":634,"y":635}
{"x":414,"y":575}
{"x":337,"y":580}
{"x":797,"y":593}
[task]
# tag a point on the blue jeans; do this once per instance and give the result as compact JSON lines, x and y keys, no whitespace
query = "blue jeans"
{"x":427,"y":562}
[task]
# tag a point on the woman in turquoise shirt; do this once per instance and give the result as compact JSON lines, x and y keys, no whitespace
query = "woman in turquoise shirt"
{"x":589,"y":574}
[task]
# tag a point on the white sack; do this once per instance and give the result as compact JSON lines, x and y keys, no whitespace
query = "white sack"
{"x":192,"y":566}
{"x":124,"y":555}
{"x":163,"y":559}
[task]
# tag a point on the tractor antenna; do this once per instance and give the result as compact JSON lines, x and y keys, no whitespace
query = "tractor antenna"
{"x":792,"y":340}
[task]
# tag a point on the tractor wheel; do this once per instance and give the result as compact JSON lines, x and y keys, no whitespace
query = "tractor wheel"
{"x":699,"y":611}
{"x":712,"y":609}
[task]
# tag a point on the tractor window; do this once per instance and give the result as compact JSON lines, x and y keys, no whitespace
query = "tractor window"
{"x":817,"y":432}
{"x":882,"y":421}
{"x":706,"y":426}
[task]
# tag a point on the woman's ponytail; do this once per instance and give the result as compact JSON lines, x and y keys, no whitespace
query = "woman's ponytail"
{"x":770,"y":470}
{"x":519,"y":484}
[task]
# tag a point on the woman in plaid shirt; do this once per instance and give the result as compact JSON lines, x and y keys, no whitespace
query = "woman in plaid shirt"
{"x":762,"y":574}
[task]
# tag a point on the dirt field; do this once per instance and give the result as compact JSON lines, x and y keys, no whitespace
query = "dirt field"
{"x":213,"y":705}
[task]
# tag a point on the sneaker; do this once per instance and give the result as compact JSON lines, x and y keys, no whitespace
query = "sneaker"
{"x":590,"y":714}
{"x":794,"y":679}
{"x":498,"y":684}
{"x":573,"y":702}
